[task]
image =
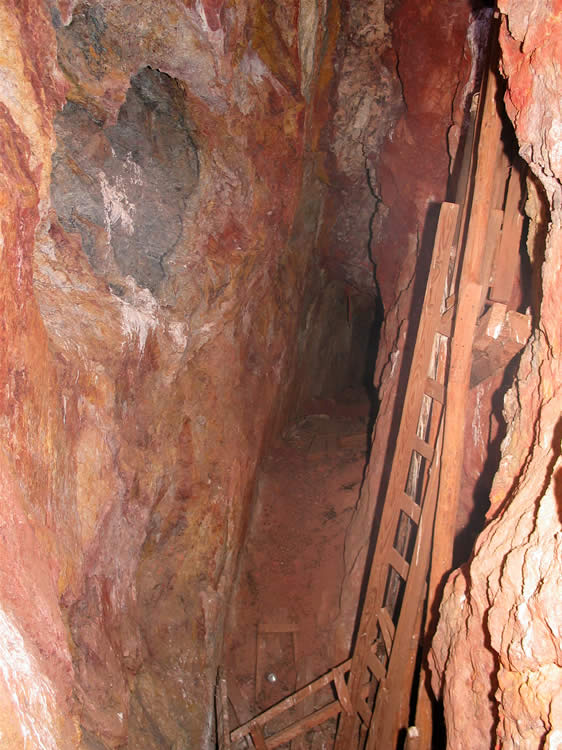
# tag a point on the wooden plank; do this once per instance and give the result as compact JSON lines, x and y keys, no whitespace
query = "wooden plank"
{"x":501,"y":179}
{"x":375,"y":665}
{"x":435,"y":390}
{"x":470,"y":289}
{"x":238,"y":702}
{"x":303,"y":708}
{"x":289,"y":702}
{"x":410,"y":508}
{"x":493,"y":237}
{"x":387,"y":629}
{"x":398,"y":563}
{"x":459,"y":375}
{"x":258,"y":737}
{"x":497,"y":341}
{"x":423,"y":448}
{"x":221,"y":703}
{"x":342,"y":691}
{"x":431,"y":314}
{"x":489,"y":326}
{"x":506,"y":260}
{"x":303,"y":725}
{"x":260,"y":663}
{"x":445,"y":323}
{"x":364,"y":711}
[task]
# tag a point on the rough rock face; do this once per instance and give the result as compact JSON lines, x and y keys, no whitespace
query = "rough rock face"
{"x":155,"y":299}
{"x":36,"y":670}
{"x":351,"y":147}
{"x":504,"y":607}
{"x":145,"y":167}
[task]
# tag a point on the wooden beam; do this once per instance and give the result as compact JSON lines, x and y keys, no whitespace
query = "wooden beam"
{"x":303,"y":725}
{"x":410,"y":508}
{"x":398,"y":563}
{"x":493,"y":239}
{"x":435,"y":390}
{"x":423,"y":448}
{"x":393,"y":703}
{"x":387,"y":629}
{"x":373,"y":610}
{"x":468,"y":309}
{"x":375,"y":666}
{"x":500,"y":335}
{"x":506,"y":260}
{"x":342,"y":691}
{"x":289,"y":702}
{"x":258,"y":737}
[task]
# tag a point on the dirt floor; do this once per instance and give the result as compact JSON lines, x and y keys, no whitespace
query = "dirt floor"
{"x":281,"y":631}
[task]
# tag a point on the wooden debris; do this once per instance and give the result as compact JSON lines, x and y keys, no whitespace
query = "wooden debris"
{"x":499,"y":336}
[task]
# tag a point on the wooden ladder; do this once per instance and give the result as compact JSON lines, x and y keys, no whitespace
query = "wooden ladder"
{"x":385,"y":648}
{"x":421,"y":499}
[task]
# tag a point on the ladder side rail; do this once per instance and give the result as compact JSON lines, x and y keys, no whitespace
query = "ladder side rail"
{"x":468,"y":307}
{"x":392,"y":707}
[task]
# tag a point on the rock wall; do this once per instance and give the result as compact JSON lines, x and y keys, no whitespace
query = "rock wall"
{"x":496,"y":657}
{"x":155,"y":299}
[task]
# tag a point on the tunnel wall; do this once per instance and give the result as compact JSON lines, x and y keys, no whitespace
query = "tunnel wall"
{"x":149,"y":339}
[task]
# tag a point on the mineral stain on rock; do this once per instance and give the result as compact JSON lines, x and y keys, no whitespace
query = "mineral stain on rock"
{"x":125,"y":188}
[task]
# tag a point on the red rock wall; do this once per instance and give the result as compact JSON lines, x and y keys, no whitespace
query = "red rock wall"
{"x":496,"y":656}
{"x":36,"y":673}
{"x":133,"y":420}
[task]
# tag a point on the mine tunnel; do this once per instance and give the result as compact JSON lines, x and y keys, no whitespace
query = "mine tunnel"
{"x":281,"y":381}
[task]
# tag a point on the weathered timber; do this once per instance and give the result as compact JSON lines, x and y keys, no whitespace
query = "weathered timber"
{"x":467,"y":312}
{"x":393,"y":699}
{"x":506,"y":260}
{"x":303,"y":725}
{"x":374,"y":612}
{"x":290,"y":702}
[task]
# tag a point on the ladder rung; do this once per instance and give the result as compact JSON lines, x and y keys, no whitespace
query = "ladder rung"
{"x":364,"y":711}
{"x":435,"y":390}
{"x":375,"y":665}
{"x":423,"y":448}
{"x":342,"y":691}
{"x":258,"y":737}
{"x":398,"y":563}
{"x":445,"y":324}
{"x":387,"y":629}
{"x":410,"y":508}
